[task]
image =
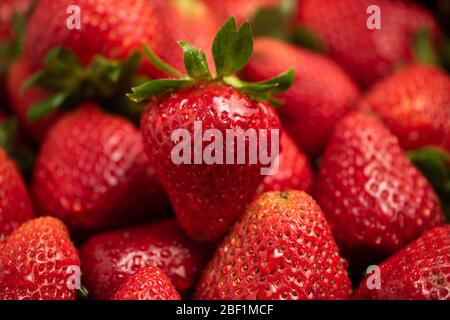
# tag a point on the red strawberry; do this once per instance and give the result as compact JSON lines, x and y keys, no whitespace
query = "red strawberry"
{"x":147,"y":284}
{"x":294,"y":172}
{"x":374,"y":198}
{"x":415,"y":105}
{"x":22,"y":101}
{"x":15,"y":203}
{"x":208,"y":195}
{"x":321,"y":94}
{"x":281,"y":248}
{"x":125,"y":26}
{"x":240,"y":9}
{"x":92,"y":173}
{"x":207,"y":198}
{"x":112,"y":28}
{"x":110,"y":258}
{"x":418,"y":272}
{"x":367,"y":54}
{"x":37,"y":262}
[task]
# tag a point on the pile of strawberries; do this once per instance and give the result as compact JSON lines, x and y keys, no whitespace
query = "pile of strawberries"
{"x":93,"y":206}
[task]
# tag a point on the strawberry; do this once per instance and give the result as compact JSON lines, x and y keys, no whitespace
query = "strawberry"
{"x":420,"y":271}
{"x":109,"y":259}
{"x":375,"y":200}
{"x":281,"y":248}
{"x":294,"y":172}
{"x":92,"y":173}
{"x":367,"y":54}
{"x":147,"y":284}
{"x":125,"y":24}
{"x":240,"y":9}
{"x":315,"y":102}
{"x":38,"y":261}
{"x":209,"y":196}
{"x":21,"y":102}
{"x":15,"y":203}
{"x":415,"y":105}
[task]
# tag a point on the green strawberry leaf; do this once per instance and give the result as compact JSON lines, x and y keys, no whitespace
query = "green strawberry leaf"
{"x":195,"y":62}
{"x":274,"y":21}
{"x":161,"y":65}
{"x":46,"y":106}
{"x":82,"y":293}
{"x":264,"y":90}
{"x":157,"y":87}
{"x":8,"y":134}
{"x":70,"y":83}
{"x":303,"y":36}
{"x":232,"y":48}
{"x":435,"y":166}
{"x":424,"y":50}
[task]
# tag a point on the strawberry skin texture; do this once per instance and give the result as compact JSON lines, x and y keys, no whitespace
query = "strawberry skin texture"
{"x":92,"y":173}
{"x":240,"y":9}
{"x":109,"y":259}
{"x":281,"y":248}
{"x":368,"y":55}
{"x":315,"y":102}
{"x":375,"y":200}
{"x":421,"y":271}
{"x":35,"y":261}
{"x":15,"y":203}
{"x":21,"y":102}
{"x":294,"y":172}
{"x":415,"y":105}
{"x":148,"y":283}
{"x":207,"y":199}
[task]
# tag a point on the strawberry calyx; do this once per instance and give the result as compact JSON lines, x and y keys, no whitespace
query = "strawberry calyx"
{"x":434,"y":163}
{"x":70,"y":83}
{"x":231,"y":50}
{"x":423,"y":47}
{"x":11,"y":49}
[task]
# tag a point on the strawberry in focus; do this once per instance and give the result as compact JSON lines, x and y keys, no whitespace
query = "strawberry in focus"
{"x":109,"y":259}
{"x":281,"y":248}
{"x":322,"y":93}
{"x":92,"y":173}
{"x":419,"y":271}
{"x":209,"y":197}
{"x":375,"y":200}
{"x":37,"y":262}
{"x":147,"y":284}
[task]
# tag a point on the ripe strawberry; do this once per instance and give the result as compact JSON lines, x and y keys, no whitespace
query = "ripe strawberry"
{"x":110,"y":258}
{"x":112,"y":28}
{"x":209,"y":197}
{"x":21,"y":102}
{"x":374,"y":198}
{"x":294,"y":171}
{"x":15,"y":203}
{"x":367,"y":54}
{"x":147,"y":284}
{"x":418,"y":272}
{"x":92,"y":173}
{"x":37,"y":262}
{"x":240,"y":9}
{"x":315,"y":102}
{"x":415,"y":105}
{"x":281,"y":248}
{"x":125,"y":26}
